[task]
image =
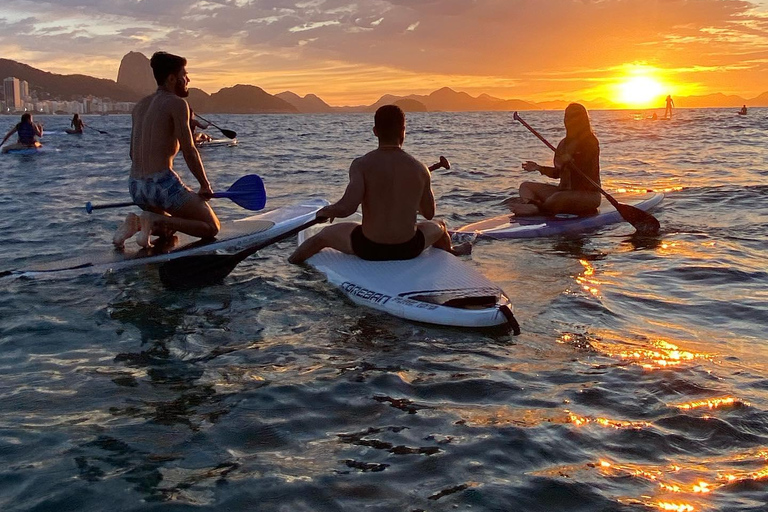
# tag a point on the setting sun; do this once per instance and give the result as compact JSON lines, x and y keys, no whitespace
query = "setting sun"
{"x":640,"y":91}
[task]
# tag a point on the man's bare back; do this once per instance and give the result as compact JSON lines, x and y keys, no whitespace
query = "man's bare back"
{"x":154,"y":141}
{"x":396,"y":187}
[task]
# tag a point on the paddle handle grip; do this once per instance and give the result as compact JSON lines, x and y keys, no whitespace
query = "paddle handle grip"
{"x":89,"y":207}
{"x":442,"y":163}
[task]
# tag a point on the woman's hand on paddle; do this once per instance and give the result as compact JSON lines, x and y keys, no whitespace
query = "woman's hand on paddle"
{"x":531,"y":166}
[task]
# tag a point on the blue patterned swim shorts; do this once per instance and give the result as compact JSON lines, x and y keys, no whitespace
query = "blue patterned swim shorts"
{"x":163,"y":190}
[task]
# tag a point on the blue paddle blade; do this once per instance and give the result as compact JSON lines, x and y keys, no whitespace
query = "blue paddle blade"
{"x":248,"y":192}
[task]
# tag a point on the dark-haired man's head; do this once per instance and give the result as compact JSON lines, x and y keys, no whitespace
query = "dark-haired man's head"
{"x":170,"y":71}
{"x":389,"y":124}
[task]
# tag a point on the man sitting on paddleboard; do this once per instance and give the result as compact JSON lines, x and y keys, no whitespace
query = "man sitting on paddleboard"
{"x":393,"y":187}
{"x":160,"y":126}
{"x":27,"y":130}
{"x":575,"y":194}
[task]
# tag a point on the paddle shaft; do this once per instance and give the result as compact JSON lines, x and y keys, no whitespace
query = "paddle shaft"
{"x":247,"y":192}
{"x":222,"y":130}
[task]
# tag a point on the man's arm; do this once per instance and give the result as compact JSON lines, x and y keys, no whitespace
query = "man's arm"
{"x":180,"y":113}
{"x":352,"y":197}
{"x":427,"y":202}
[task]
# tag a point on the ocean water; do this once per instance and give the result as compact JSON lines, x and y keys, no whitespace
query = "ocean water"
{"x":639,"y":382}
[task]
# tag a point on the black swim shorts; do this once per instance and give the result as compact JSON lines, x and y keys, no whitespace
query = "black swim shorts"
{"x":373,"y":251}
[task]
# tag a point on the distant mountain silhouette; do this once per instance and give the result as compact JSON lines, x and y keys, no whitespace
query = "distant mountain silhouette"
{"x":248,"y":99}
{"x":446,"y":99}
{"x":65,"y":87}
{"x":135,"y":74}
{"x":199,"y":100}
{"x":718,"y":99}
{"x":309,"y":104}
{"x":135,"y":81}
{"x":759,"y":101}
{"x":410,"y":105}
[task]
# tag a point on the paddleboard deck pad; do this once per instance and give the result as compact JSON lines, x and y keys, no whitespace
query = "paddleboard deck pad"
{"x":435,"y":287}
{"x":233,"y":236}
{"x":509,"y":226}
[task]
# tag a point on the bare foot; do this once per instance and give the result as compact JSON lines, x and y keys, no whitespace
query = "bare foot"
{"x":127,"y":229}
{"x":462,"y":249}
{"x":148,"y":222}
{"x":525,"y":209}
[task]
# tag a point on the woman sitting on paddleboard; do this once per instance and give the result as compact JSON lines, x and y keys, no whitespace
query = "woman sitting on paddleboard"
{"x":575,"y":195}
{"x":77,"y":124}
{"x":27,"y":131}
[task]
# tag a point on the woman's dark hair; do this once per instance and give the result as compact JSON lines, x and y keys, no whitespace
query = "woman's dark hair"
{"x":26,"y":117}
{"x":164,"y":64}
{"x":577,"y":121}
{"x":389,"y":121}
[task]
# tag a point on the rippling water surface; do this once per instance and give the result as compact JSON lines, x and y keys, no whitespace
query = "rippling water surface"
{"x":640,"y":381}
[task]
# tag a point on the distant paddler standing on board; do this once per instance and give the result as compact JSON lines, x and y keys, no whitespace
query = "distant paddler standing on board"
{"x":393,"y":187}
{"x":26,"y":130}
{"x":668,"y":108}
{"x":160,"y":126}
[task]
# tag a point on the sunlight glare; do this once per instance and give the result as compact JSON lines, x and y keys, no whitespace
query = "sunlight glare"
{"x":640,"y":92}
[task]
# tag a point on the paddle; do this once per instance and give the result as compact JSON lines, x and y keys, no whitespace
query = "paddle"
{"x":195,"y":271}
{"x":442,"y":163}
{"x":100,"y":131}
{"x":227,"y":133}
{"x":643,"y":222}
{"x":247,"y":192}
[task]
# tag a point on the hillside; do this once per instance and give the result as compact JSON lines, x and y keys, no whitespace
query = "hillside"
{"x":65,"y":87}
{"x":309,"y":104}
{"x":248,"y":99}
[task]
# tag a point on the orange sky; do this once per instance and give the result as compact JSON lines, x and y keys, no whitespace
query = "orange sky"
{"x":631,"y":52}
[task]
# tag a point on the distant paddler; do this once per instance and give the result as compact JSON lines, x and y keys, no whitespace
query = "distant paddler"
{"x":76,"y":125}
{"x":668,"y":107}
{"x":27,"y":131}
{"x":160,"y":126}
{"x":743,"y":110}
{"x":194,"y":124}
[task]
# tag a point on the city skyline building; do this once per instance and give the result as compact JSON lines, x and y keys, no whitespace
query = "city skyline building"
{"x":12,"y":94}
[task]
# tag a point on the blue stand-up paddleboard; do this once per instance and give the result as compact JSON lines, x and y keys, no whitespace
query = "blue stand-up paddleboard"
{"x":234,"y":235}
{"x":509,"y":226}
{"x":435,"y":287}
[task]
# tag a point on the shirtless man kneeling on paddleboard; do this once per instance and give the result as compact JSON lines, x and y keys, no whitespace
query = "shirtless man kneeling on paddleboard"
{"x":160,"y":126}
{"x":393,"y":187}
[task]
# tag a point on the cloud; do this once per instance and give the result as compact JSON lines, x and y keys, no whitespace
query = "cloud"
{"x":533,"y":46}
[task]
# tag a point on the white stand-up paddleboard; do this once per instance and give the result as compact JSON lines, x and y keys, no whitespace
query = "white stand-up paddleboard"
{"x":509,"y":226}
{"x":234,"y":235}
{"x":435,"y":287}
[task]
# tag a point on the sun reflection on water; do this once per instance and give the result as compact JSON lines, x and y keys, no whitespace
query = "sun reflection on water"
{"x":661,"y":354}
